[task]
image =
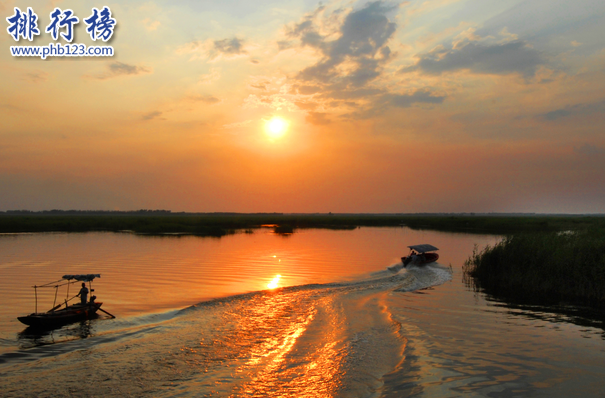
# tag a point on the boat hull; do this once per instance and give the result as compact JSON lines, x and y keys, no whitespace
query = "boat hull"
{"x":61,"y":317}
{"x":428,"y":258}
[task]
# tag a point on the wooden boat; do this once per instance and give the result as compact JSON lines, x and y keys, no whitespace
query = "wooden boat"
{"x":58,"y":316}
{"x":64,"y":316}
{"x":420,"y":255}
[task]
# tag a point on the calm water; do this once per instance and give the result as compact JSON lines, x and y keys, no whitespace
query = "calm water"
{"x":195,"y":317}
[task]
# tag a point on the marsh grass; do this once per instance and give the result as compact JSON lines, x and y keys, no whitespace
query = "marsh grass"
{"x":546,"y":266}
{"x":283,"y":229}
{"x":223,"y":224}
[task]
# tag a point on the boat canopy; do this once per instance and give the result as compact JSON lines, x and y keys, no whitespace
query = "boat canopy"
{"x":82,"y":278}
{"x":423,"y":248}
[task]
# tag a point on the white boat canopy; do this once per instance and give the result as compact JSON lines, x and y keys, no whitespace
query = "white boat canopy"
{"x":423,"y":248}
{"x":82,"y":278}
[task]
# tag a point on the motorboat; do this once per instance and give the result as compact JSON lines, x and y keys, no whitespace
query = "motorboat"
{"x":64,"y":313}
{"x":420,"y":255}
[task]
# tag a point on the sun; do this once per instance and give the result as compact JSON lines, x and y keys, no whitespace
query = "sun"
{"x":276,"y":127}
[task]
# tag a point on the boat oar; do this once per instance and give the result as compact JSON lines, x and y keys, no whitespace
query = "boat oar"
{"x":101,"y":309}
{"x":57,"y":306}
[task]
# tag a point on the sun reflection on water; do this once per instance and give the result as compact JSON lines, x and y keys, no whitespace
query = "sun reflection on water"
{"x":274,"y":283}
{"x":290,"y":356}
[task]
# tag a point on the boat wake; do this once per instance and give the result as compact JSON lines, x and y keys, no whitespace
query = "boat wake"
{"x":335,"y":339}
{"x":423,"y":277}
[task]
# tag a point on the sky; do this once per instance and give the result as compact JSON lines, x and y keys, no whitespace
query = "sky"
{"x":387,"y":107}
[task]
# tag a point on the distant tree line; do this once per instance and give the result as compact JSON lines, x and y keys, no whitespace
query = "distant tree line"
{"x":122,"y":212}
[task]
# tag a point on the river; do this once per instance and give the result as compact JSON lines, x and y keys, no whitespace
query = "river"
{"x":318,"y":313}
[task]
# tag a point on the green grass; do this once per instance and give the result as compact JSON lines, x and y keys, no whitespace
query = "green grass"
{"x":544,"y":266}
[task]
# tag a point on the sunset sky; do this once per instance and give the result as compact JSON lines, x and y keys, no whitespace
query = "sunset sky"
{"x":416,"y":106}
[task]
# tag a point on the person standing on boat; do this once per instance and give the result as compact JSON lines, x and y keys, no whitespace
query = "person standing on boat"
{"x":83,"y":293}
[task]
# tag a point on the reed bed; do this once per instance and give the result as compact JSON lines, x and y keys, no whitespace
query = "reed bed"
{"x":222,"y":224}
{"x":548,"y":266}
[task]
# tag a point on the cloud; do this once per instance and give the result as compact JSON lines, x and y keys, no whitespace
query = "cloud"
{"x":194,"y":47}
{"x":343,"y":94}
{"x":407,"y":100}
{"x":350,"y":73}
{"x":120,"y":68}
{"x":233,"y":46}
{"x":236,"y":125}
{"x":151,"y":25}
{"x":317,"y":118}
{"x":276,"y":101}
{"x":284,"y":45}
{"x":481,"y":57}
{"x":387,"y":101}
{"x":554,"y":115}
{"x":260,"y":83}
{"x":152,"y":115}
{"x":306,"y":105}
{"x":10,"y":107}
{"x":307,"y":90}
{"x":116,"y":69}
{"x":187,"y":103}
{"x":590,"y":149}
{"x":575,"y":110}
{"x":211,"y":77}
{"x":36,"y":76}
{"x":207,"y":99}
{"x":355,"y":58}
{"x":214,"y":50}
